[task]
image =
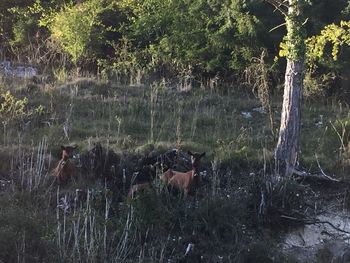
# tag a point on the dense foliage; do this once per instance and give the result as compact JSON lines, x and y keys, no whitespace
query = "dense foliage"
{"x":187,"y":38}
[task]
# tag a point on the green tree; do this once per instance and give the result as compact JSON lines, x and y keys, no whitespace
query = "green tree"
{"x":327,"y":60}
{"x":207,"y":36}
{"x":8,"y":19}
{"x":333,"y":36}
{"x":72,"y":27}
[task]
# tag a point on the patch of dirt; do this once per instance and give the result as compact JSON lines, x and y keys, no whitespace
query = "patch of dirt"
{"x":325,"y":238}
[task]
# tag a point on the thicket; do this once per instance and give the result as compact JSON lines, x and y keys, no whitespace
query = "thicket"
{"x":191,"y":40}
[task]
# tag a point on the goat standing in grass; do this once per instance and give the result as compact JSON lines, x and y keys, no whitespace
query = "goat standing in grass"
{"x":65,"y":169}
{"x":183,"y":181}
{"x":147,"y":170}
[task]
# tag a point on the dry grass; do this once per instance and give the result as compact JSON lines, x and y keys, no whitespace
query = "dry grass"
{"x":85,"y":222}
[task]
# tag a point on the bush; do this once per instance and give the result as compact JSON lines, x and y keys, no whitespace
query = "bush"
{"x":273,"y":196}
{"x":23,"y":233}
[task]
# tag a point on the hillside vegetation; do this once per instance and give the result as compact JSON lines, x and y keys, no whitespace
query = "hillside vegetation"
{"x":123,"y":83}
{"x":87,"y":221}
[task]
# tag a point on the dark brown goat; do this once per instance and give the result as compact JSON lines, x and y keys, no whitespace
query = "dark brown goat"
{"x":136,"y":188}
{"x":65,"y":169}
{"x":147,"y":170}
{"x":102,"y":163}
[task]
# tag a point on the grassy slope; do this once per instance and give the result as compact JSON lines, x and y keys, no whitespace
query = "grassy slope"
{"x":220,"y":223}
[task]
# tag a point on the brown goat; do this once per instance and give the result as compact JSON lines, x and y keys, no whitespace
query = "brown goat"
{"x":183,"y":181}
{"x":166,"y":176}
{"x":134,"y":189}
{"x":65,"y":169}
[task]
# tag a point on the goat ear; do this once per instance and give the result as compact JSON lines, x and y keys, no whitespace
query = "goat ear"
{"x":190,"y":153}
{"x":203,"y":154}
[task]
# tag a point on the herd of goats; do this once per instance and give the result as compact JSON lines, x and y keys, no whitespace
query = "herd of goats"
{"x":105,"y":164}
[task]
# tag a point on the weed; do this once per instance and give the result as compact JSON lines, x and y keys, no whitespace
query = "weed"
{"x":86,"y":222}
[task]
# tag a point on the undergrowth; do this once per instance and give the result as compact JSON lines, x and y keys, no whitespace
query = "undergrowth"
{"x":221,"y":222}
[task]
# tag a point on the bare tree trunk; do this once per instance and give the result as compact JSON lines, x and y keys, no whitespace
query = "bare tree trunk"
{"x":286,"y":154}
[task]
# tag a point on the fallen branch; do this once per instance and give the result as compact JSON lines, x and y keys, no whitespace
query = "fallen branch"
{"x":313,"y":222}
{"x":320,"y":176}
{"x":323,"y":173}
{"x":329,"y":223}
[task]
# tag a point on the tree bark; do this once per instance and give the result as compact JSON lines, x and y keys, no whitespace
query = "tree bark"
{"x":286,"y":153}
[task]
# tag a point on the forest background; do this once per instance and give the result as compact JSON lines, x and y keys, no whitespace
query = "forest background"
{"x":200,"y":40}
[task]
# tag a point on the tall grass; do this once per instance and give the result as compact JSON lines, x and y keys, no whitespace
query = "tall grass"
{"x":83,"y":222}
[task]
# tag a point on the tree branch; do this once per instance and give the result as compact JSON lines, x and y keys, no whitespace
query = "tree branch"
{"x":272,"y":29}
{"x":322,"y":172}
{"x":313,"y":222}
{"x":279,"y":5}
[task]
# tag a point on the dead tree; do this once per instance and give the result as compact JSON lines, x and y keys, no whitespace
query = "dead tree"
{"x":286,"y":152}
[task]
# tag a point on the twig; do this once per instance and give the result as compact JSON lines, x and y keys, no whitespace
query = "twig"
{"x":323,"y":173}
{"x":321,"y":176}
{"x":341,"y":139}
{"x":262,"y":203}
{"x":315,"y":221}
{"x":274,"y":28}
{"x":329,"y":223}
{"x":278,"y":5}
